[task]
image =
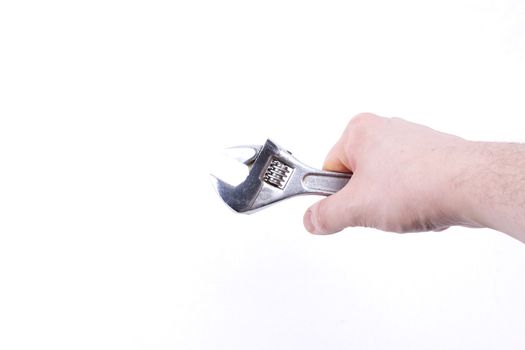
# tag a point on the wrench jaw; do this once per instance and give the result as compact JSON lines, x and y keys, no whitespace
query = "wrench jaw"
{"x":226,"y":192}
{"x":239,"y":198}
{"x":254,"y":192}
{"x":244,"y":154}
{"x":274,"y":175}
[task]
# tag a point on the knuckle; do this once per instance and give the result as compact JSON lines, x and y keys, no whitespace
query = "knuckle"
{"x":363,"y":119}
{"x":360,"y":126}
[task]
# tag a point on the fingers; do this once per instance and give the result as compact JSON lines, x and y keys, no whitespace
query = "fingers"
{"x":332,"y":214}
{"x":345,"y":153}
{"x":342,"y":209}
{"x":336,"y":159}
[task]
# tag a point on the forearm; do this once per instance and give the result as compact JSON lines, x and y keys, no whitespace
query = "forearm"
{"x":494,"y":187}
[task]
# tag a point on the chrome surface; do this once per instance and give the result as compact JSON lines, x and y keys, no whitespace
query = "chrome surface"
{"x":274,"y":175}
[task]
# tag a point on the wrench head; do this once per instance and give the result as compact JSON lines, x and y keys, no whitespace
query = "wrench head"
{"x":266,"y":179}
{"x":243,"y":154}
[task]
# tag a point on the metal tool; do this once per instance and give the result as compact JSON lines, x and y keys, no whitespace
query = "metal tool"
{"x":275,"y":175}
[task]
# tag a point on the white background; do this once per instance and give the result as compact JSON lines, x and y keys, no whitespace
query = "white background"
{"x":111,"y":236}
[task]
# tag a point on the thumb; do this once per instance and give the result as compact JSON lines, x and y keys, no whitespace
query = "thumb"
{"x":332,"y":214}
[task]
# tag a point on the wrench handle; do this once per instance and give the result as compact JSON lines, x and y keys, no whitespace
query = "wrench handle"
{"x":324,"y":182}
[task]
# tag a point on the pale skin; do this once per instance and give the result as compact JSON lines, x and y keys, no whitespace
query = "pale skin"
{"x":409,"y":178}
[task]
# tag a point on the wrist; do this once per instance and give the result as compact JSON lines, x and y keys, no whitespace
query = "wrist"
{"x":462,"y":185}
{"x":487,"y":188}
{"x":495,"y":187}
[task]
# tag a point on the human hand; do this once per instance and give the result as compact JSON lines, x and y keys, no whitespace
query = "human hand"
{"x":406,"y":178}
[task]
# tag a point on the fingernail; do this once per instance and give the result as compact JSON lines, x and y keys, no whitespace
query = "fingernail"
{"x":307,"y":221}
